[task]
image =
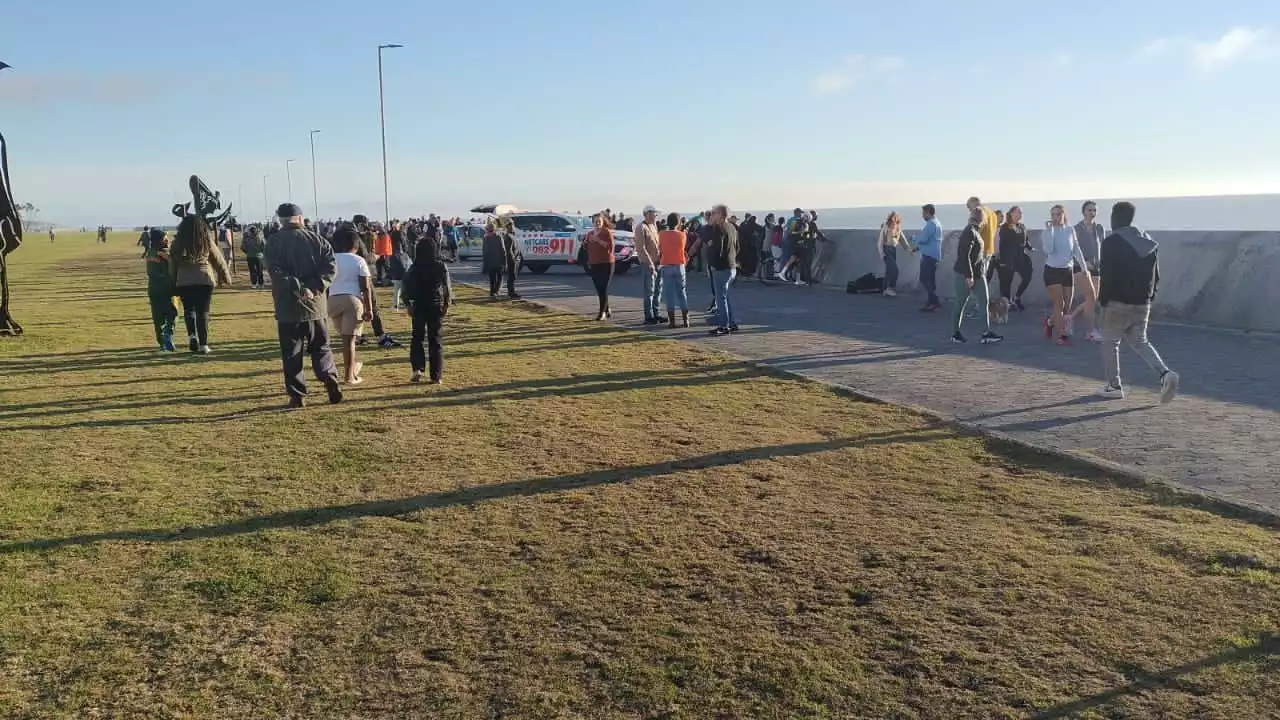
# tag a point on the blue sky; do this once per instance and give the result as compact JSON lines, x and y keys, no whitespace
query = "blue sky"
{"x":579,"y":105}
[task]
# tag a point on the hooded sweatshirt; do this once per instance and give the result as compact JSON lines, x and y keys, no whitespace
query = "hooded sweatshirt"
{"x":1130,"y":268}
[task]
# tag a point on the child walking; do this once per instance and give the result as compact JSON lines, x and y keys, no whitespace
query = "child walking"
{"x":164,"y":313}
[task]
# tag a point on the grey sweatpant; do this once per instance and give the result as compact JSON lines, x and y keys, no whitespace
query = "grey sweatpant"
{"x":1127,"y":322}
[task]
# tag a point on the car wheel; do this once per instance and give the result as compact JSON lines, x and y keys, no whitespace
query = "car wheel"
{"x":538,"y":268}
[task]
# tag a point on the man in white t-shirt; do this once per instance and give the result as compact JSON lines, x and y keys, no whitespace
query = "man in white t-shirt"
{"x":350,"y":297}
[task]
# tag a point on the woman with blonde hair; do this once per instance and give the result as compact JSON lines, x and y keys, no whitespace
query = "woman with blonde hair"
{"x":1062,"y":251}
{"x":890,"y":239}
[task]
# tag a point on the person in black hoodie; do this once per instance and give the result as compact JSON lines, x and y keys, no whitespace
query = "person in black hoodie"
{"x":427,"y":293}
{"x":1130,"y":278}
{"x":722,"y":263}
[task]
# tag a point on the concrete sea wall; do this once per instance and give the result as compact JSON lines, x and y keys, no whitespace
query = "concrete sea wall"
{"x":1223,"y":279}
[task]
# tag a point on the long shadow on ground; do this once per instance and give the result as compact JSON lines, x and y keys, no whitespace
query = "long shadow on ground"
{"x":311,"y":517}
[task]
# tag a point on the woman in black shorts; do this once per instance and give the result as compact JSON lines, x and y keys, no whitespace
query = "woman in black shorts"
{"x":1061,"y":253}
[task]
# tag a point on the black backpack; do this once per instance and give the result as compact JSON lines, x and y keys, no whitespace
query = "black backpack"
{"x":869,"y":284}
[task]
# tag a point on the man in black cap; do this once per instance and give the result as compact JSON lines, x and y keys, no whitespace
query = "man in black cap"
{"x":302,"y":266}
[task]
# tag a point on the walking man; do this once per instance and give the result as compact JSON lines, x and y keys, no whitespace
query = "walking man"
{"x":929,"y":243}
{"x":646,"y":242}
{"x":722,"y":259}
{"x":302,"y":266}
{"x":1130,"y":277}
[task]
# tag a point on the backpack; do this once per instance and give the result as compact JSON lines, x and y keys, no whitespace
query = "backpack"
{"x":868,"y":284}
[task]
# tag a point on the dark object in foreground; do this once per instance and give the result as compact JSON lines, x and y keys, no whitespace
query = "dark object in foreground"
{"x":10,"y":239}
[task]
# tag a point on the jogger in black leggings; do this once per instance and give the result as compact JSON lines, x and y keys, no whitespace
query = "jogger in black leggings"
{"x":1013,"y":257}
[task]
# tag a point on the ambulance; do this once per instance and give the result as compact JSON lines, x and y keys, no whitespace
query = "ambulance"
{"x":549,"y":238}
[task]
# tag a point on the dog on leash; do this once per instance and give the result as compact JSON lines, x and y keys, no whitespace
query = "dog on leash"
{"x":998,"y":311}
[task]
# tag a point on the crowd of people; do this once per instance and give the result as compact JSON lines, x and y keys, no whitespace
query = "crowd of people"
{"x":326,"y":272}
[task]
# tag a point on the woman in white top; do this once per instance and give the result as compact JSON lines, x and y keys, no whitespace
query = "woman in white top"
{"x":891,"y":238}
{"x":350,"y":297}
{"x":1062,"y":251}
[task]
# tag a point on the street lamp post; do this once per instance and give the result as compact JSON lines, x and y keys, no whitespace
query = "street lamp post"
{"x":315,"y":195}
{"x":266,"y":206}
{"x":288,"y":172}
{"x":382,"y":115}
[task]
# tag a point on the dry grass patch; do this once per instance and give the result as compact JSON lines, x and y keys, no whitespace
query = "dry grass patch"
{"x":585,"y":522}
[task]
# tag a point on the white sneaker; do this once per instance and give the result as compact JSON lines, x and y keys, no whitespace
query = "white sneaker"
{"x":799,"y":282}
{"x":1111,"y":392}
{"x":204,"y":350}
{"x":890,"y":292}
{"x":1168,"y":387}
{"x":781,"y":276}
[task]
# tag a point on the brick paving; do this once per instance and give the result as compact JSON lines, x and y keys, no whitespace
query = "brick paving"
{"x":1218,"y":438}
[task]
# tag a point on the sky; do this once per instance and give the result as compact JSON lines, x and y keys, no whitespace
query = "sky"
{"x":579,"y":105}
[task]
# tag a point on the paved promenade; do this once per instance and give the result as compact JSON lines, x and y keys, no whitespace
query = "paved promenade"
{"x":1220,"y":437}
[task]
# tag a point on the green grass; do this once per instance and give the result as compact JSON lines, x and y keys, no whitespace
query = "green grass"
{"x":584,"y":522}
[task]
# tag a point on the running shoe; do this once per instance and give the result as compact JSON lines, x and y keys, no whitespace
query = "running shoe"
{"x":1168,"y":387}
{"x":890,"y":292}
{"x":1111,"y":392}
{"x":1094,"y":336}
{"x":958,"y":339}
{"x":990,"y":338}
{"x":717,"y":332}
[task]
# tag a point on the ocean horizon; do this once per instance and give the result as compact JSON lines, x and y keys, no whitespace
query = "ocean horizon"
{"x":1250,"y":213}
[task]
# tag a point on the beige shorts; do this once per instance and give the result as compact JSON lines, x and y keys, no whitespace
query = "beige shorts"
{"x":347,"y":313}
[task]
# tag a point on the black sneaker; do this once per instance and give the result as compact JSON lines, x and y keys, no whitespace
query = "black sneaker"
{"x":514,"y":296}
{"x":296,"y":402}
{"x":194,"y":345}
{"x":990,"y":338}
{"x":335,"y":392}
{"x":958,"y":339}
{"x":733,"y":328}
{"x":651,"y":321}
{"x":717,"y":332}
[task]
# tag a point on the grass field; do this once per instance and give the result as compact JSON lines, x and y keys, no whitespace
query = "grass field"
{"x":584,"y":522}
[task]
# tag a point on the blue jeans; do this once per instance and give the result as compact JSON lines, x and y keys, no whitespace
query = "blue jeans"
{"x":652,"y":292}
{"x":929,"y":278}
{"x":674,"y":288}
{"x":722,"y":279}
{"x":891,"y":268}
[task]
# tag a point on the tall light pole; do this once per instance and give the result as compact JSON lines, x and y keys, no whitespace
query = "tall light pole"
{"x":382,"y":114}
{"x":266,"y":206}
{"x":315,"y":195}
{"x":288,"y":172}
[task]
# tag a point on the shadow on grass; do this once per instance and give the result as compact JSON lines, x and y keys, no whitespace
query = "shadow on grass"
{"x":1267,"y":646}
{"x":59,"y":408}
{"x":311,"y":517}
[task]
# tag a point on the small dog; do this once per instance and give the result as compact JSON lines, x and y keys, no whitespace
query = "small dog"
{"x":998,"y":311}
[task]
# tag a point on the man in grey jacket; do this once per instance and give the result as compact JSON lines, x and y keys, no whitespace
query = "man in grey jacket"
{"x":302,"y":266}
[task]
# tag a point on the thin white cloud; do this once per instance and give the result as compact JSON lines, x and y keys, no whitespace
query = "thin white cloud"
{"x":1236,"y":44}
{"x":1214,"y":55}
{"x":855,"y":69}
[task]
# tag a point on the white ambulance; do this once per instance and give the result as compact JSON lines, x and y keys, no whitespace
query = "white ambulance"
{"x":552,"y":238}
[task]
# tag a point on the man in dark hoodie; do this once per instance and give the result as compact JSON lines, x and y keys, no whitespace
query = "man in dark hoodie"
{"x":1130,"y":277}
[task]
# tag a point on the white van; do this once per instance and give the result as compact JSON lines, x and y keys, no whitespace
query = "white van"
{"x":549,"y":238}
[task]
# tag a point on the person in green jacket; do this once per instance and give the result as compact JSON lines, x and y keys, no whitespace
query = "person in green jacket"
{"x":164,"y":313}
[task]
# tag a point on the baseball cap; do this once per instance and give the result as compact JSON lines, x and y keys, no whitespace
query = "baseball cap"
{"x":649,"y":209}
{"x":288,"y":210}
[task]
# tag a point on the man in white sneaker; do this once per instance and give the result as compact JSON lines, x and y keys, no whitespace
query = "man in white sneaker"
{"x":1130,"y":277}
